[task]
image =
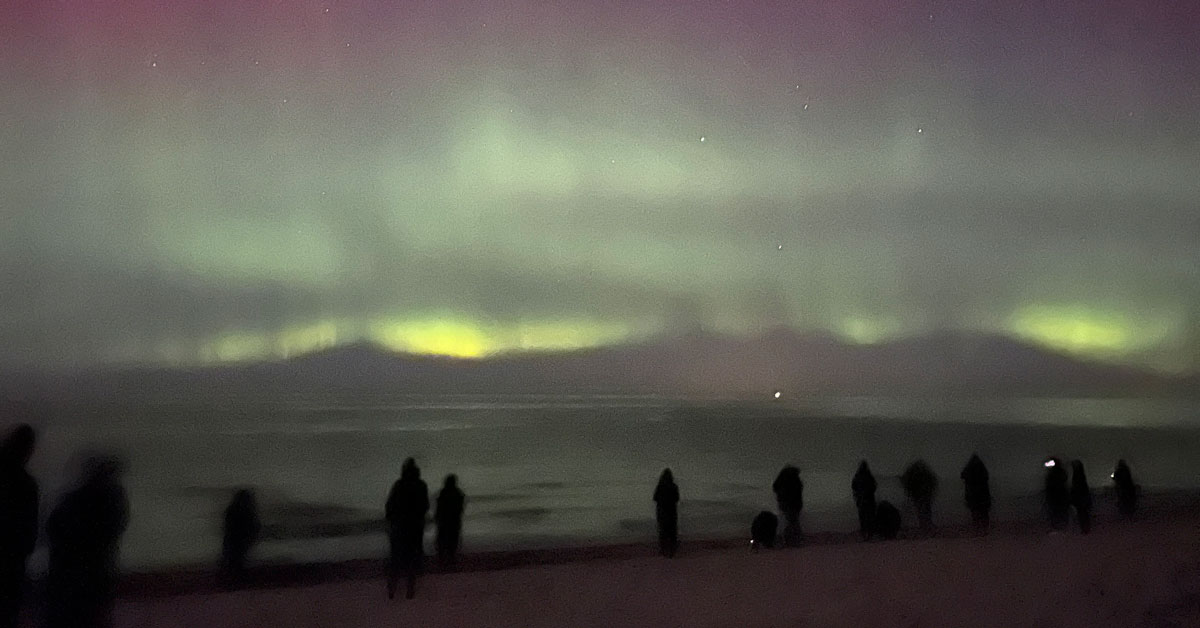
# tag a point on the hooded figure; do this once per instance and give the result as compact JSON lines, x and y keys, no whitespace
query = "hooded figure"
{"x":976,"y":492}
{"x":1058,"y":497}
{"x":863,"y":487}
{"x":407,"y":507}
{"x":1081,"y":497}
{"x":1126,"y":489}
{"x":789,"y":496}
{"x":920,"y":486}
{"x":85,"y":531}
{"x":763,"y":530}
{"x":449,"y":515}
{"x":887,"y":520}
{"x":666,"y":513}
{"x":18,"y":520}
{"x":241,"y":532}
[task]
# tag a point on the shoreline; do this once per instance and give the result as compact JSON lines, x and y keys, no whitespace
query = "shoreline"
{"x":199,"y":579}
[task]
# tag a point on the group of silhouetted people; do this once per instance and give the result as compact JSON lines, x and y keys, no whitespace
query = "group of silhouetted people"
{"x":85,"y":527}
{"x":882,"y":519}
{"x":406,"y":511}
{"x":83,"y":533}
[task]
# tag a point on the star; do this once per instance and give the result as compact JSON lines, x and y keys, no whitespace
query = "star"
{"x":920,"y":130}
{"x":806,"y":106}
{"x":154,"y":64}
{"x":778,"y":394}
{"x":702,"y":138}
{"x":326,"y":10}
{"x":780,"y":247}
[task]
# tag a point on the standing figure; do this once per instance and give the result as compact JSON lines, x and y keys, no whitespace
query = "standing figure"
{"x":666,"y":512}
{"x":18,"y":520}
{"x":85,"y":532}
{"x":240,"y":533}
{"x":407,"y":506}
{"x":1058,"y":496}
{"x":789,"y":496}
{"x":920,"y":486}
{"x":1127,"y":490}
{"x":449,"y":516}
{"x":863,"y":487}
{"x":977,"y":492}
{"x":1081,"y":497}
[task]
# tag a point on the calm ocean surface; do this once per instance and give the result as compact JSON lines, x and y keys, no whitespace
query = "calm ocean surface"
{"x":543,"y":470}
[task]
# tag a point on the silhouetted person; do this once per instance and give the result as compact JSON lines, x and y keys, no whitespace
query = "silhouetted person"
{"x":920,"y":486}
{"x":789,"y":495}
{"x":18,"y":520}
{"x":977,"y":492}
{"x":887,"y":520}
{"x":1126,"y":489}
{"x":449,"y":516}
{"x":1058,"y":497}
{"x":241,"y":532}
{"x":763,"y":530}
{"x":407,"y":506}
{"x":85,"y":532}
{"x":666,"y":513}
{"x":1081,"y":497}
{"x":863,"y":487}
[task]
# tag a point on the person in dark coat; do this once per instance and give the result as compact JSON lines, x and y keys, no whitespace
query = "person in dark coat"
{"x":18,"y":520}
{"x":920,"y":486}
{"x":887,"y":520}
{"x":789,"y":496}
{"x":449,"y":516}
{"x":977,"y":492}
{"x":85,"y":531}
{"x":863,"y":487}
{"x":1081,"y":496}
{"x":666,"y":513}
{"x":1058,"y":496}
{"x":407,"y":507}
{"x":240,"y":533}
{"x":763,"y":530}
{"x":1126,"y":489}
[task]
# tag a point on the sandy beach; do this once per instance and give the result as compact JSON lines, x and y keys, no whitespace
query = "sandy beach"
{"x":1141,"y":573}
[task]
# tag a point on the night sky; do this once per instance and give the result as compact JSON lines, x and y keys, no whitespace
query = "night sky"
{"x":197,"y":181}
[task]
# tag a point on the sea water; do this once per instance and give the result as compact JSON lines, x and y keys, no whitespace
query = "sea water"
{"x":570,"y":470}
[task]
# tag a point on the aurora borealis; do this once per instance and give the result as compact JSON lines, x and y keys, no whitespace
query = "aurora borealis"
{"x":216,"y":180}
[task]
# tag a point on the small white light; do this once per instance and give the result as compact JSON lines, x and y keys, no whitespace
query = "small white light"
{"x":1049,"y":463}
{"x":777,"y":394}
{"x":702,"y":138}
{"x":1112,"y":475}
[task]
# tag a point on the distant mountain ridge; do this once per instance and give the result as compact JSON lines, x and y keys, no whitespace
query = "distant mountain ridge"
{"x":692,"y":365}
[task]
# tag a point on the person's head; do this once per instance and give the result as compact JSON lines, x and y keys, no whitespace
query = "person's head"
{"x":1077,"y":469}
{"x":863,"y":467}
{"x":666,"y":476}
{"x":1121,"y":464}
{"x":451,"y":481}
{"x":244,"y":498}
{"x":410,"y":471}
{"x":102,"y":469}
{"x":18,"y":445}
